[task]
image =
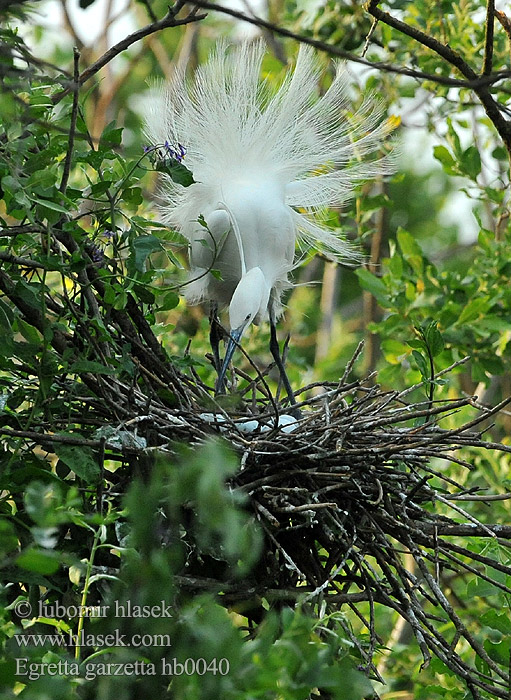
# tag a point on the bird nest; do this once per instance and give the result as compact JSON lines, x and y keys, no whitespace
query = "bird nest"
{"x":356,"y":504}
{"x":358,"y":510}
{"x":357,"y":507}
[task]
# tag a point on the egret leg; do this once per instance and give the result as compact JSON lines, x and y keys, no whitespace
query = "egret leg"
{"x":215,"y":336}
{"x":275,"y":351}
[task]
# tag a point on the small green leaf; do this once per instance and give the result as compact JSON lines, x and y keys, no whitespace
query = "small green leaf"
{"x":8,"y":537}
{"x":41,"y":561}
{"x":100,"y":187}
{"x":132,"y":195}
{"x":372,"y":284}
{"x":177,"y":172}
{"x":90,"y":366}
{"x":144,"y":294}
{"x":491,"y":618}
{"x":474,"y":309}
{"x":49,"y":204}
{"x":142,"y":247}
{"x":477,"y":587}
{"x":499,"y":652}
{"x":111,"y":135}
{"x":80,"y":460}
{"x":170,"y":301}
{"x":434,"y":339}
{"x":422,"y":364}
{"x":470,"y":163}
{"x":443,"y":155}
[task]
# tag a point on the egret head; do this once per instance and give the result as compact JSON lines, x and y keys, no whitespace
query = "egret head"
{"x":249,"y":302}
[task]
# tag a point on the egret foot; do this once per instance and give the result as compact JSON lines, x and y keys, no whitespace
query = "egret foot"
{"x":275,"y":351}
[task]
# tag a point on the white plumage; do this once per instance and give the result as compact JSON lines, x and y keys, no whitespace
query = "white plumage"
{"x":257,"y":155}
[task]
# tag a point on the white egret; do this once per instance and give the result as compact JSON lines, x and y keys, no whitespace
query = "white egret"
{"x":256,"y":156}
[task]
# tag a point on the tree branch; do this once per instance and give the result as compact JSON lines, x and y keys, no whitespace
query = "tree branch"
{"x":168,"y":21}
{"x":60,"y":341}
{"x":341,"y":53}
{"x":22,"y":262}
{"x":72,"y":125}
{"x":491,"y":107}
{"x":488,"y":37}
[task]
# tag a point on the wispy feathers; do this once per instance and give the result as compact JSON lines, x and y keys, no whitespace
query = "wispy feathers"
{"x":233,"y":126}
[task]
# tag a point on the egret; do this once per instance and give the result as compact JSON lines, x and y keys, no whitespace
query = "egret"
{"x":264,"y":163}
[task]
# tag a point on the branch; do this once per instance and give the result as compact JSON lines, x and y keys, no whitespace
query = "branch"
{"x":481,"y":89}
{"x":60,"y":341}
{"x":20,"y":230}
{"x":72,"y":125}
{"x":475,"y":81}
{"x":49,"y":439}
{"x":168,"y":21}
{"x":488,"y":37}
{"x":22,"y":262}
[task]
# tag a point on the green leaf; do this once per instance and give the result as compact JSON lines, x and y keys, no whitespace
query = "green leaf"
{"x":100,"y":188}
{"x":177,"y":171}
{"x":422,"y":364}
{"x":500,"y":652}
{"x":346,"y":681}
{"x":90,"y":366}
{"x":41,"y":561}
{"x":111,"y":135}
{"x":28,"y":293}
{"x":169,"y":301}
{"x":474,"y":309}
{"x":80,"y":460}
{"x":479,"y":588}
{"x":470,"y":163}
{"x":50,"y":204}
{"x":8,"y":537}
{"x":443,"y":155}
{"x":132,"y":195}
{"x":6,"y":316}
{"x":144,"y":294}
{"x":434,"y":339}
{"x":411,"y":250}
{"x":28,"y":332}
{"x":496,"y":621}
{"x":141,"y":248}
{"x":372,"y":284}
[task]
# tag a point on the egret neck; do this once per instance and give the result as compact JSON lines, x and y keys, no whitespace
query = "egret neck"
{"x":249,"y":303}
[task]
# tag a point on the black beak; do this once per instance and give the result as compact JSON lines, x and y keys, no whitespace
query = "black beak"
{"x":234,"y":339}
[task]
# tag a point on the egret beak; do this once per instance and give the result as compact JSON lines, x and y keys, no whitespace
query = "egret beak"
{"x":234,"y":339}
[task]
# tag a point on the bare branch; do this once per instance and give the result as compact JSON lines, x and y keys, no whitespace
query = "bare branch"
{"x":473,"y":82}
{"x":168,"y":21}
{"x":492,"y":109}
{"x":488,"y":38}
{"x":22,"y":262}
{"x":72,"y":124}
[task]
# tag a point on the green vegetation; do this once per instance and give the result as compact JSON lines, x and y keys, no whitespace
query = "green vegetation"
{"x":95,"y":339}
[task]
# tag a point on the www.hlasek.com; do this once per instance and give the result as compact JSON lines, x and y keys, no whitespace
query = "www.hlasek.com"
{"x":91,"y":670}
{"x":87,"y":639}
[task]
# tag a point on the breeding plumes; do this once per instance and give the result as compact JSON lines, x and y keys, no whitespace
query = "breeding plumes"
{"x":264,"y":163}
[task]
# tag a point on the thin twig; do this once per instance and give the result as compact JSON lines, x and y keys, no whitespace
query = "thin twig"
{"x":169,"y":20}
{"x":72,"y":124}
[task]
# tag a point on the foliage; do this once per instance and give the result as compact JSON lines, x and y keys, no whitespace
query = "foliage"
{"x":288,"y":654}
{"x":91,"y":321}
